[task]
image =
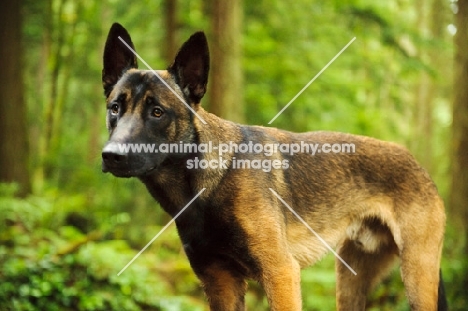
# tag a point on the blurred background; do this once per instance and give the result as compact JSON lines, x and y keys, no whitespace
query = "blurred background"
{"x":66,"y":229}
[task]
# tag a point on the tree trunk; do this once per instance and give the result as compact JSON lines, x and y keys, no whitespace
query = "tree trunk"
{"x":225,"y":90}
{"x":170,"y":25}
{"x":37,"y":129}
{"x":424,"y":93}
{"x":13,"y":122}
{"x":61,"y":95}
{"x":94,"y":142}
{"x":459,"y":195}
{"x":50,"y":106}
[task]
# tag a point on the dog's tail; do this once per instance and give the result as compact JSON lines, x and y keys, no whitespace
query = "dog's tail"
{"x":442,"y":300}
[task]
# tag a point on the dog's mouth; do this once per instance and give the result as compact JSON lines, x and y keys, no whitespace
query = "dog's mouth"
{"x":122,"y":164}
{"x":127,"y":173}
{"x":150,"y":170}
{"x":122,"y":173}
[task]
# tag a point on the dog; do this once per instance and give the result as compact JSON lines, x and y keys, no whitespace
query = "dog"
{"x":265,"y":215}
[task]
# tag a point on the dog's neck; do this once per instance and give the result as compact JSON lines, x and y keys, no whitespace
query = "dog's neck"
{"x":174,"y":184}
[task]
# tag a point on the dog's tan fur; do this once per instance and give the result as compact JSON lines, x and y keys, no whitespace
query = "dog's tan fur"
{"x":373,"y":206}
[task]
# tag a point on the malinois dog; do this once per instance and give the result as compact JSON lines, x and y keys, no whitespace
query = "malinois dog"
{"x":373,"y":205}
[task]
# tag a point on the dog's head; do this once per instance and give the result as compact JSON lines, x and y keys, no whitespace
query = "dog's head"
{"x":146,"y":108}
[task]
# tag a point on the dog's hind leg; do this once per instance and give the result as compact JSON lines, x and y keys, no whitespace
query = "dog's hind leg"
{"x":420,"y":271}
{"x":420,"y":274}
{"x":420,"y":252}
{"x":352,"y":290}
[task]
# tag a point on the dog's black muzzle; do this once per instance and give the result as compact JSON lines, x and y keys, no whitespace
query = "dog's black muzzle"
{"x":123,"y":164}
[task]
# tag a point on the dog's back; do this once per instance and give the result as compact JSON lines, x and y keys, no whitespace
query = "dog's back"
{"x":264,"y":215}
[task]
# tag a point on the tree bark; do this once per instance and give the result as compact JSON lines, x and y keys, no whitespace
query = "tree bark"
{"x":424,"y":93}
{"x":459,"y":195}
{"x":225,"y":90}
{"x":170,"y":25}
{"x":13,"y":122}
{"x":61,"y":94}
{"x":37,"y":129}
{"x":57,"y":64}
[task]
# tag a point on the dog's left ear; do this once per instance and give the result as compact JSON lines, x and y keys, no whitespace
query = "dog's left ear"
{"x":117,"y":57}
{"x":191,"y":67}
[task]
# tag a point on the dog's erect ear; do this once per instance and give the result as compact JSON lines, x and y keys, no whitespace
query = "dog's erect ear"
{"x":117,"y":57}
{"x":191,"y":67}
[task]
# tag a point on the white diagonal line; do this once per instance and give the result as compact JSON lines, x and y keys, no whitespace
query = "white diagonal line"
{"x":313,"y":79}
{"x":161,"y":231}
{"x":313,"y":231}
{"x":161,"y":79}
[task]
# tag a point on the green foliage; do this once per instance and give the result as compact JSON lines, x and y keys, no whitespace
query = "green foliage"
{"x":48,"y":265}
{"x":62,"y":248}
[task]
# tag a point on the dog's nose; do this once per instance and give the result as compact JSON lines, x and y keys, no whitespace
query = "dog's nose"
{"x":113,"y":157}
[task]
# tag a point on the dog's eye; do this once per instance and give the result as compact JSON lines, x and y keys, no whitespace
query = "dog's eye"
{"x":115,"y":109}
{"x":157,"y":112}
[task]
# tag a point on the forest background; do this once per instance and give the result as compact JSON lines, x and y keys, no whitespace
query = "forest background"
{"x":66,"y":229}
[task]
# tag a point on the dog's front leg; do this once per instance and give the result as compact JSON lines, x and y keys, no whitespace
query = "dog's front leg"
{"x":281,"y":281}
{"x":265,"y":234}
{"x":225,"y":290}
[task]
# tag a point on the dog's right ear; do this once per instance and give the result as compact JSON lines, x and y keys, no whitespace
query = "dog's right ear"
{"x":117,"y":57}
